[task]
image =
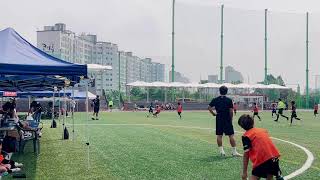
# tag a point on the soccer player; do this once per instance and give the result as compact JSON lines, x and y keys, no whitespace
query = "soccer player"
{"x":158,"y":110}
{"x":259,"y":148}
{"x":315,"y":109}
{"x":256,"y":111}
{"x":179,"y":109}
{"x":293,"y":112}
{"x":224,"y":116}
{"x":235,"y":108}
{"x":150,"y":110}
{"x":110,"y":105}
{"x":96,"y":108}
{"x":281,"y":107}
{"x":274,"y":109}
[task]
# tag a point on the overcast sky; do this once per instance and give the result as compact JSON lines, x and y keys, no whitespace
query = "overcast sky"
{"x":144,"y":27}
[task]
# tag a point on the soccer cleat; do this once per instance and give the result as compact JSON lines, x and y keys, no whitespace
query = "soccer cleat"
{"x":236,"y":154}
{"x":15,"y":170}
{"x":279,"y":178}
{"x":222,"y":154}
{"x":19,"y":165}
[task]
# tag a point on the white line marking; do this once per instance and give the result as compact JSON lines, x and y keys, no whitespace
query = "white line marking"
{"x":305,"y":166}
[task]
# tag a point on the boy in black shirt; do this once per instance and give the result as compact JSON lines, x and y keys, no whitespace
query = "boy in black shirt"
{"x":224,"y":115}
{"x":294,"y":112}
{"x":96,"y":108}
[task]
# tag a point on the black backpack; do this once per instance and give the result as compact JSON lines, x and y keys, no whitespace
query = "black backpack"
{"x":65,"y":133}
{"x":53,"y":124}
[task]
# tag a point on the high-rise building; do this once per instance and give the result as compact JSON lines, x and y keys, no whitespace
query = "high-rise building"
{"x":233,"y":76}
{"x":157,"y":70}
{"x":107,"y":54}
{"x":133,"y":68}
{"x":178,"y":77}
{"x":212,"y":78}
{"x":86,"y":49}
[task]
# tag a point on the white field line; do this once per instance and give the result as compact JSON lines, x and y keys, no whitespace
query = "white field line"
{"x":305,"y":166}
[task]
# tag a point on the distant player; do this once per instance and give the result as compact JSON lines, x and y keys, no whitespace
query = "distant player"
{"x":274,"y":109}
{"x":281,"y":107}
{"x":259,"y":148}
{"x":158,"y":110}
{"x":315,"y":110}
{"x":179,"y":109}
{"x":293,"y":112}
{"x":110,"y":105}
{"x":256,"y":111}
{"x":235,"y":108}
{"x":96,"y":108}
{"x":150,"y":110}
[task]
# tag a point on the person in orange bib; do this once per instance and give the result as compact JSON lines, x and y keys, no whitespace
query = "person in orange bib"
{"x":259,"y":148}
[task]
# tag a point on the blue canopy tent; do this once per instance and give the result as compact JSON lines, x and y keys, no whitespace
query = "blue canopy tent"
{"x":23,"y":67}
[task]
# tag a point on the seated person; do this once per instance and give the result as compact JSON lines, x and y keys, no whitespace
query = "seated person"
{"x":8,"y":166}
{"x":8,"y":108}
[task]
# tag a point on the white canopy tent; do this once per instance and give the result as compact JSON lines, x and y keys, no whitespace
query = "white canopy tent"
{"x":206,"y":87}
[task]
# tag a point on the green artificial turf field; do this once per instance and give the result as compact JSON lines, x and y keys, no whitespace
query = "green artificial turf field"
{"x":134,"y":149}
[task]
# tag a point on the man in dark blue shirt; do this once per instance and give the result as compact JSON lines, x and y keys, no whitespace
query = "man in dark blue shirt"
{"x":224,"y":115}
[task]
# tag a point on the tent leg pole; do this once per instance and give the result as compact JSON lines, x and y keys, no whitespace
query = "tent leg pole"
{"x":53,"y":100}
{"x":59,"y":105}
{"x":65,"y":110}
{"x":29,"y":100}
{"x":87,"y":128}
{"x":72,"y":111}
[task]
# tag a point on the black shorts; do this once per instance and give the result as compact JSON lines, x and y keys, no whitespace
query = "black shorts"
{"x":315,"y":112}
{"x":150,"y":111}
{"x":256,"y":114}
{"x":96,"y":109}
{"x":274,"y":111}
{"x":280,"y":111}
{"x":223,"y":127}
{"x":270,"y":167}
{"x":110,"y":106}
{"x":294,"y":115}
{"x":179,"y":113}
{"x":235,"y":111}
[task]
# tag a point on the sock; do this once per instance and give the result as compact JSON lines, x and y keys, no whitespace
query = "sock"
{"x":221,"y":150}
{"x":234,"y":150}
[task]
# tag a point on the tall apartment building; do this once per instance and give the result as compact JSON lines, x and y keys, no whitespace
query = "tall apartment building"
{"x":213,"y":79}
{"x":86,"y":49}
{"x":178,"y":77}
{"x":233,"y":76}
{"x":133,"y":68}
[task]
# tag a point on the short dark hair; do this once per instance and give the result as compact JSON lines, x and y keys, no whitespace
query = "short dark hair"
{"x":246,"y":122}
{"x":280,"y":99}
{"x":293,"y":102}
{"x":178,"y":103}
{"x":255,"y":103}
{"x":223,"y":90}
